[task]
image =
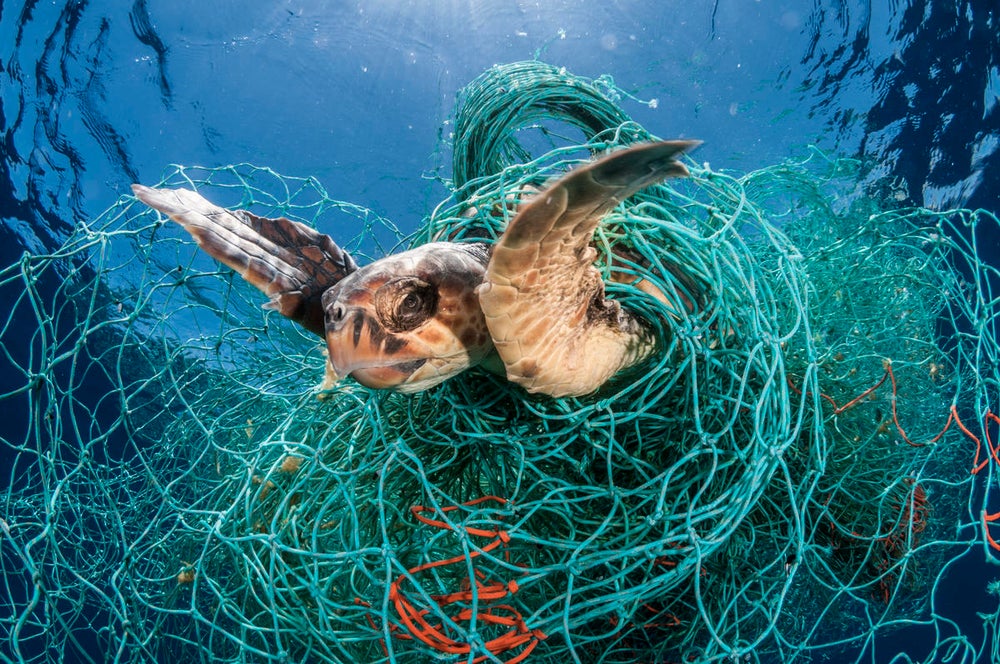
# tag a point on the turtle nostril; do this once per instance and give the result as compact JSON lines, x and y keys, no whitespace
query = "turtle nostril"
{"x":337,"y":313}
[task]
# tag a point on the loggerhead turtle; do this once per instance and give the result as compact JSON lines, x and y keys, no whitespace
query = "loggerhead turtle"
{"x":531,"y":306}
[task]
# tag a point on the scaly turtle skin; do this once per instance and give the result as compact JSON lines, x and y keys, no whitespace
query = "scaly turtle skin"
{"x":532,"y":305}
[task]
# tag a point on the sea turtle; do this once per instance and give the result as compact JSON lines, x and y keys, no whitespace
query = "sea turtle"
{"x":531,"y":306}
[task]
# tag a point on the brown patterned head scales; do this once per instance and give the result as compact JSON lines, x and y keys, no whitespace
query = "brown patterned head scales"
{"x":410,"y":320}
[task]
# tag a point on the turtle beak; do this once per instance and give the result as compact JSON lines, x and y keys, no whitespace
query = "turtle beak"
{"x":360,"y":347}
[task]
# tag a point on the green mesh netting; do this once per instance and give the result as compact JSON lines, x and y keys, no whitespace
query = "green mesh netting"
{"x":774,"y":482}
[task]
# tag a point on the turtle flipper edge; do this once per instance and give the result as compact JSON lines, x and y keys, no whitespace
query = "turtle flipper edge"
{"x":288,"y":261}
{"x":542,"y":297}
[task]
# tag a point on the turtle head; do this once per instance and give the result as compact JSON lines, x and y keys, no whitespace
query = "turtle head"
{"x":408,"y":321}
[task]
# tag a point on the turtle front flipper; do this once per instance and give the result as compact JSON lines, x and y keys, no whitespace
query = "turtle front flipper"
{"x":288,"y":261}
{"x":542,"y":297}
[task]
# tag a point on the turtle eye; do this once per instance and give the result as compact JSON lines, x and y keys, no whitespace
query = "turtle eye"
{"x":404,"y":304}
{"x":410,"y":303}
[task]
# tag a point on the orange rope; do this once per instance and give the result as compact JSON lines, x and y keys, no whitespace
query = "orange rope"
{"x":887,"y":365}
{"x":519,"y":635}
{"x":992,"y":450}
{"x":987,"y":519}
{"x":986,"y":430}
{"x":976,"y":466}
{"x":838,"y":410}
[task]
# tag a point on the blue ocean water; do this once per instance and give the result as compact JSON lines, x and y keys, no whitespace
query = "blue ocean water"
{"x":95,"y":96}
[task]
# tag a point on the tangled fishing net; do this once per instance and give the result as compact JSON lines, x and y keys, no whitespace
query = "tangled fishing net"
{"x":789,"y":474}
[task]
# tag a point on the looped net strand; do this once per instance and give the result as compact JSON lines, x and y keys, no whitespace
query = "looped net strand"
{"x":782,"y":478}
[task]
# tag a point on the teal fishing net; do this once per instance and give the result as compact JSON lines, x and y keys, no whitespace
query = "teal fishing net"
{"x":788,"y":475}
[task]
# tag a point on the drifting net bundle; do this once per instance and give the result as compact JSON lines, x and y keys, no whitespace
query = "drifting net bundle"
{"x":788,"y":473}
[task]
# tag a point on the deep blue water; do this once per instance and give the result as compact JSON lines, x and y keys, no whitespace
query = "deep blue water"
{"x":95,"y":96}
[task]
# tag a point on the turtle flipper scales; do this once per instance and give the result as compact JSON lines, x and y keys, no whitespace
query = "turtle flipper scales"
{"x":288,"y":261}
{"x":542,"y":297}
